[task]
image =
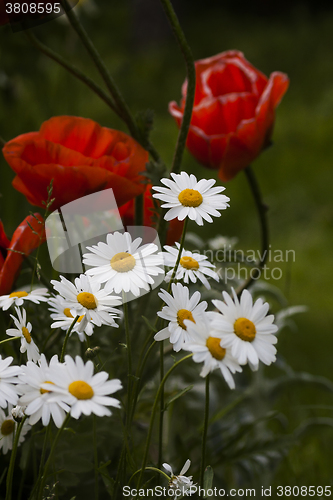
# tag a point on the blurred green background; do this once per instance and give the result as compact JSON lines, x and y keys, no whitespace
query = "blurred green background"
{"x":295,"y":174}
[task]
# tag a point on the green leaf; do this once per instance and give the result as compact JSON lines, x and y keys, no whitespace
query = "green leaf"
{"x":221,"y":413}
{"x":297,"y":378}
{"x":313,"y":422}
{"x":109,"y":483}
{"x":178,"y":395}
{"x":208,"y":479}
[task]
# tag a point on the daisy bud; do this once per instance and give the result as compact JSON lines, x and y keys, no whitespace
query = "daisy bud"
{"x":18,"y":413}
{"x":91,"y":353}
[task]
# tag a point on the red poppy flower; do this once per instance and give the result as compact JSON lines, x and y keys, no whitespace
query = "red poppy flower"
{"x":28,"y":236}
{"x":127,"y":213}
{"x":233,"y":114}
{"x":80,"y":156}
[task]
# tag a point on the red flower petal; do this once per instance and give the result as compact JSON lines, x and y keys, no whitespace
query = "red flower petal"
{"x":28,"y":236}
{"x":80,"y":156}
{"x":233,"y":114}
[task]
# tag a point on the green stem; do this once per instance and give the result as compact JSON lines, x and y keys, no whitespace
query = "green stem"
{"x":43,"y":279}
{"x":9,"y":480}
{"x":182,"y":241}
{"x":190,"y":68}
{"x":204,"y":434}
{"x":153,"y":411}
{"x":95,"y":458}
{"x":189,"y":101}
{"x":120,"y":469}
{"x":121,"y":105}
{"x":10,"y":338}
{"x":42,"y":460}
{"x":160,"y":432}
{"x":262,"y":214}
{"x":123,"y":110}
{"x":138,"y":377}
{"x":63,"y":350}
{"x":48,"y":462}
{"x":129,"y":361}
{"x":73,"y":70}
{"x":149,"y":468}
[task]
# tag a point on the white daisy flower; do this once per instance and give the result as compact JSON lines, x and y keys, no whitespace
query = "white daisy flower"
{"x":84,"y":392}
{"x":18,"y":413}
{"x":246,"y":329}
{"x":206,"y":346}
{"x":180,"y":482}
{"x":192,"y":266}
{"x":123,"y":264}
{"x":85,"y":298}
{"x":23,"y":329}
{"x":8,"y":379}
{"x":17,"y":298}
{"x":37,"y":399}
{"x":63,"y":318}
{"x":7,"y":428}
{"x":187,"y":197}
{"x":180,"y":307}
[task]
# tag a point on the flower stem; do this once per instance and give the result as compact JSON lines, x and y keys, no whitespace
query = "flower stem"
{"x":69,"y":331}
{"x":262,"y":214}
{"x":160,"y":431}
{"x":138,"y":377}
{"x":9,"y":480}
{"x":190,"y":68}
{"x":73,"y":70}
{"x":95,"y":458}
{"x":10,"y":338}
{"x":204,"y":435}
{"x":99,"y":63}
{"x":149,"y":468}
{"x":48,"y":462}
{"x":153,"y":411}
{"x":42,"y":460}
{"x":182,"y":241}
{"x":129,"y":361}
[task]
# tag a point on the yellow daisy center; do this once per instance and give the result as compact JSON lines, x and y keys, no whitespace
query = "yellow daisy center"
{"x":183,"y":314}
{"x":26,"y":334}
{"x":7,"y":427}
{"x":18,"y":294}
{"x":189,"y":263}
{"x":87,"y":300}
{"x":245,"y":329}
{"x":190,"y":198}
{"x":123,"y":262}
{"x":44,"y":391}
{"x":213,"y":344}
{"x":67,"y":312}
{"x":81,"y":390}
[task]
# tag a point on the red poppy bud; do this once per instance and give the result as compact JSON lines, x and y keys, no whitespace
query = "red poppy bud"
{"x":233,"y":114}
